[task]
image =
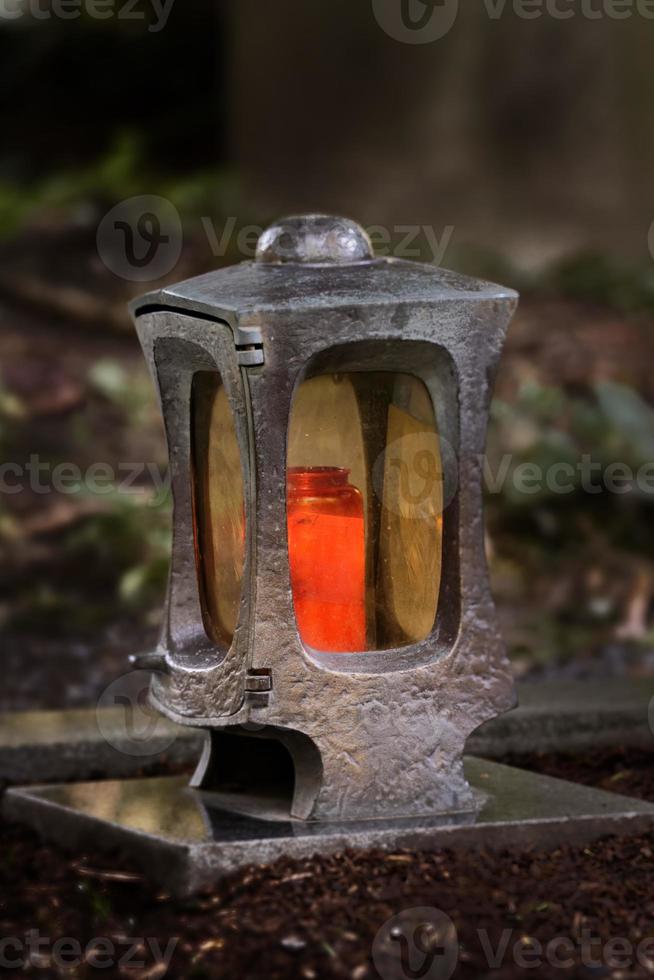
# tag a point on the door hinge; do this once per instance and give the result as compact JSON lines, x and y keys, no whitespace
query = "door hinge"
{"x":258,"y":686}
{"x":249,"y":346}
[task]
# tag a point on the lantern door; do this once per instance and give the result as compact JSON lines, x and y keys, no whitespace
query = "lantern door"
{"x":204,"y":397}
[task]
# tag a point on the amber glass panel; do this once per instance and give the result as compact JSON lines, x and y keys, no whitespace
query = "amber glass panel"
{"x":218,"y":507}
{"x":365,"y":493}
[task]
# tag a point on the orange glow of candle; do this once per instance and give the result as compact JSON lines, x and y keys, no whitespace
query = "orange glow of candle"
{"x":327,"y":553}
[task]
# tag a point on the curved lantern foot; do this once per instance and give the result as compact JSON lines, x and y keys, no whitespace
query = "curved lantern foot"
{"x":281,"y":774}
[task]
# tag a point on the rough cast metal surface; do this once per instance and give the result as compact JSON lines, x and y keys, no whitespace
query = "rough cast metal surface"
{"x":186,"y":846}
{"x":379,"y":734}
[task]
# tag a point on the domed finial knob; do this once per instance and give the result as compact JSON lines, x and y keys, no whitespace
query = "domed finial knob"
{"x":314,"y":239}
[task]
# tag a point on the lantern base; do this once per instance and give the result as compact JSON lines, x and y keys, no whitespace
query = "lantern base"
{"x":185,"y":845}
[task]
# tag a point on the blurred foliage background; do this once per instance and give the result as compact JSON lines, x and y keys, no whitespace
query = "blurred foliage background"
{"x":525,"y":147}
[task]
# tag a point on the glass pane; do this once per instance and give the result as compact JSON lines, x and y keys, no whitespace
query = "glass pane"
{"x":218,"y":507}
{"x":365,"y":492}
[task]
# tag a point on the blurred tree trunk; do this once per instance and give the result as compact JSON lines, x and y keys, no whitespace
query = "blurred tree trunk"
{"x":520,"y":133}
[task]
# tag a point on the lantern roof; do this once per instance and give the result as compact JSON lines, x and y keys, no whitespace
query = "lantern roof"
{"x":313,"y":262}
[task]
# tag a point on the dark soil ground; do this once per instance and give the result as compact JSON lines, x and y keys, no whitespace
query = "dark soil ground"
{"x":320,"y":917}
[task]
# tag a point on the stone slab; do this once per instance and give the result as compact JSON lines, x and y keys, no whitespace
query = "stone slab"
{"x":571,"y":716}
{"x":185,"y":844}
{"x":54,"y":746}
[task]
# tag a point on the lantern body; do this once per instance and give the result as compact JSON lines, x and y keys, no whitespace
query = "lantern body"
{"x":365,"y":733}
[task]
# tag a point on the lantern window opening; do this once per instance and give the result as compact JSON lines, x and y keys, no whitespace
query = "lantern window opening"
{"x":367,"y":525}
{"x":218,"y":502}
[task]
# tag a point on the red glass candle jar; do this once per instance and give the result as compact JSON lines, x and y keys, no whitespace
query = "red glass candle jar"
{"x":327,"y":553}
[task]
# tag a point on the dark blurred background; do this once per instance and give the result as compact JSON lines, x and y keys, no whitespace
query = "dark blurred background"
{"x":516,"y":148}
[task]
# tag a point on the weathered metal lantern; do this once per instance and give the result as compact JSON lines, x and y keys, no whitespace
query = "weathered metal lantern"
{"x":329,"y":619}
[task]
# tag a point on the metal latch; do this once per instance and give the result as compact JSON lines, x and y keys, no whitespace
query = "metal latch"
{"x":258,"y":685}
{"x":249,"y":346}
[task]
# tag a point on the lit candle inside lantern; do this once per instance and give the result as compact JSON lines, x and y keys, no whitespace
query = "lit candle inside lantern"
{"x":327,"y":553}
